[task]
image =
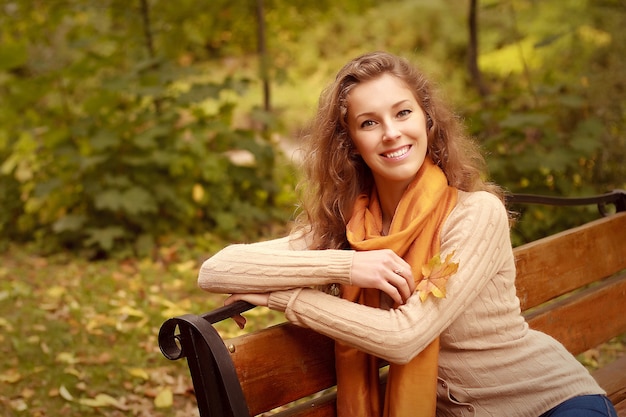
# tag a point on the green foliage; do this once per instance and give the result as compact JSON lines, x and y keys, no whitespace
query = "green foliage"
{"x":122,"y":123}
{"x":546,"y":120}
{"x":109,"y":152}
{"x":548,"y":130}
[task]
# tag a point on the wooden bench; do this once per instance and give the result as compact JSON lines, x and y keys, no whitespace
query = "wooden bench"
{"x":572,"y":285}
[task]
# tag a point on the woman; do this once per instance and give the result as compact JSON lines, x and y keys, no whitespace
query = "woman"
{"x":402,"y":253}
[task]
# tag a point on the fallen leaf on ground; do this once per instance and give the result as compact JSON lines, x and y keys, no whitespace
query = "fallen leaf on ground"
{"x":164,"y":399}
{"x":65,"y":394}
{"x":10,"y":376}
{"x":139,"y":373}
{"x":102,"y":400}
{"x":67,"y":358}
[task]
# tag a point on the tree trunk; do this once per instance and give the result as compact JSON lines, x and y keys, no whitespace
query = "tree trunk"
{"x":263,"y":58}
{"x":472,"y":50}
{"x":147,"y":30}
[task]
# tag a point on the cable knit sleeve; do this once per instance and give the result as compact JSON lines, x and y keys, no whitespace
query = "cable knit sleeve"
{"x":273,"y":265}
{"x":477,"y":230}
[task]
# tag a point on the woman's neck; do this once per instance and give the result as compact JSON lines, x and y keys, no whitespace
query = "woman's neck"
{"x":389,"y":199}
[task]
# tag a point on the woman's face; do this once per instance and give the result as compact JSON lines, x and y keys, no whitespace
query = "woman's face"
{"x":388,"y":128}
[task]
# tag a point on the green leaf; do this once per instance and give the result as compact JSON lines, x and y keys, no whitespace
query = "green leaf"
{"x":571,"y":100}
{"x":69,"y":223}
{"x":46,"y":188}
{"x":13,"y":55}
{"x":147,"y":138}
{"x":226,"y":221}
{"x":587,"y":137}
{"x":111,"y":199}
{"x":104,"y":139}
{"x":559,"y":161}
{"x":199,"y":93}
{"x":104,"y":237}
{"x":586,"y":144}
{"x":138,"y":200}
{"x":144,"y":245}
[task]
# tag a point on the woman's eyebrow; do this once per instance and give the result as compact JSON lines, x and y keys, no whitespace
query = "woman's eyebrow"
{"x":393,"y":106}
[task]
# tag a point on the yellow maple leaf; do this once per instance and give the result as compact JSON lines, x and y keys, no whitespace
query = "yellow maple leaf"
{"x":436,"y":275}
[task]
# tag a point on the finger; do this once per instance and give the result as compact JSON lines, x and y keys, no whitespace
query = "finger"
{"x":407,"y":274}
{"x":231,"y":299}
{"x":404,"y":278}
{"x":392,"y":292}
{"x":401,"y":284}
{"x":240,"y":320}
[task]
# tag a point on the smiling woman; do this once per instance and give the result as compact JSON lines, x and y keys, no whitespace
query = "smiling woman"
{"x":396,"y":211}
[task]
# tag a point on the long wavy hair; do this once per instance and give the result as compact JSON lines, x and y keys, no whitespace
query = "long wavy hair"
{"x":335,"y":175}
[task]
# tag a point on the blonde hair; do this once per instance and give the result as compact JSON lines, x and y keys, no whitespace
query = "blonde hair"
{"x":335,"y":174}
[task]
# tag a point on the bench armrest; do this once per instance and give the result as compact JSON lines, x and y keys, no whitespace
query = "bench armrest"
{"x":615,"y":197}
{"x":215,"y":380}
{"x":225,"y":312}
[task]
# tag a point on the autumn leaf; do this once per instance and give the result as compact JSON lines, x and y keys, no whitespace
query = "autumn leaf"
{"x":436,"y":275}
{"x":139,"y":373}
{"x":164,"y":399}
{"x":10,"y":376}
{"x":102,"y":400}
{"x":67,"y":358}
{"x":5,"y":324}
{"x":65,"y":394}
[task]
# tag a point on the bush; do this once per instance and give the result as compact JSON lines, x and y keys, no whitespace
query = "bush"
{"x":136,"y":162}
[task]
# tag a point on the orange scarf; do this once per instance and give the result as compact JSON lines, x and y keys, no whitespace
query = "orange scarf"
{"x":413,"y":235}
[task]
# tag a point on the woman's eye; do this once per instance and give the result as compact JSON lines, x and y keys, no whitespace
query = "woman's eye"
{"x":404,"y":113}
{"x":367,"y":123}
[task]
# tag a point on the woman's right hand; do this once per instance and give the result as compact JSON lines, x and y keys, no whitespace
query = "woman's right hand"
{"x":384,"y":270}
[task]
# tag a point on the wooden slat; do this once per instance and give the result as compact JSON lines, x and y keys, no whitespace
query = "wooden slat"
{"x":281,"y":364}
{"x":560,"y":263}
{"x":324,"y":406}
{"x":587,"y":318}
{"x":621,"y":409}
{"x":612,"y":378}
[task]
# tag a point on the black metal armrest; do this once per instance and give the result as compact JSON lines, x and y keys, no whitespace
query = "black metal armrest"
{"x":615,"y":197}
{"x":215,"y":380}
{"x":228,"y":311}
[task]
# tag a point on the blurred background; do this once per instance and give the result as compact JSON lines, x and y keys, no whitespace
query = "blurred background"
{"x":137,"y":137}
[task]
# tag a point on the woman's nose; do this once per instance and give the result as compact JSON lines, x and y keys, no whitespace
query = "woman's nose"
{"x":391,"y":132}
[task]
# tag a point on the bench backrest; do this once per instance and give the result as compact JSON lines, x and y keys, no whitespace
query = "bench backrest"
{"x":285,"y":363}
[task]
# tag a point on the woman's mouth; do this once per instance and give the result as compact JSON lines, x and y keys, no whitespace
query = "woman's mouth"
{"x":397,"y":153}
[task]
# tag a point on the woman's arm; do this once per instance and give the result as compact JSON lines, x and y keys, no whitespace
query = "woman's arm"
{"x":477,"y":231}
{"x":273,"y":265}
{"x":287,"y":263}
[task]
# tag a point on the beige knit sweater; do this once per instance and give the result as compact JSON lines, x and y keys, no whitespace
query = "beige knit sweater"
{"x":491,"y":363}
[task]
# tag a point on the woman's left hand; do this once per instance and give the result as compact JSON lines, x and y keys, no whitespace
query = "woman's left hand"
{"x":261,"y":299}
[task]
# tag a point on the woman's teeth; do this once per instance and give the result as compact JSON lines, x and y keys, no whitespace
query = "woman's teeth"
{"x":398,"y":153}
